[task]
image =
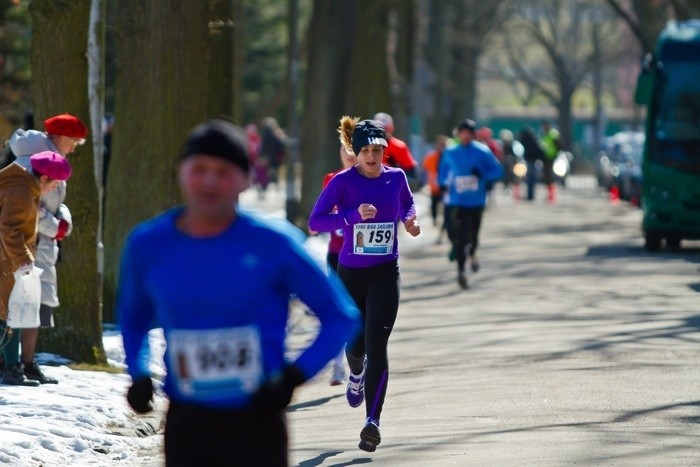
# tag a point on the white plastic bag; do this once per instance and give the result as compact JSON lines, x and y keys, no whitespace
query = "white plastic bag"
{"x":25,"y":300}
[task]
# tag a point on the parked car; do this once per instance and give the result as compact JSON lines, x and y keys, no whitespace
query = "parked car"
{"x":630,"y":174}
{"x":619,"y":164}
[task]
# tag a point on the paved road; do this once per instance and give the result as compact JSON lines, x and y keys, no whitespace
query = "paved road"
{"x":573,"y":346}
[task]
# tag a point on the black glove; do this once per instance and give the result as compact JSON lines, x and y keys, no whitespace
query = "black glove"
{"x":276,"y":393}
{"x":140,"y":395}
{"x":476,"y":172}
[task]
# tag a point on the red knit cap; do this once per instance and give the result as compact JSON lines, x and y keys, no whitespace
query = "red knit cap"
{"x":65,"y":125}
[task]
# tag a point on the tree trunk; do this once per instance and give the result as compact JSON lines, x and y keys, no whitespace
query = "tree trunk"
{"x":473,"y":23}
{"x":96,"y":97}
{"x":599,"y":130}
{"x":238,"y":59}
{"x":565,"y":123}
{"x":437,"y":58}
{"x":221,"y":71}
{"x":652,"y":17}
{"x":162,"y":87}
{"x":292,"y":158}
{"x":326,"y":88}
{"x":59,"y":82}
{"x":686,"y":9}
{"x":463,"y":78}
{"x":368,"y":89}
{"x":402,"y":29}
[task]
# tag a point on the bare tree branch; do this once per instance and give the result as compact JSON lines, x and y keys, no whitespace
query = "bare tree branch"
{"x":634,"y":24}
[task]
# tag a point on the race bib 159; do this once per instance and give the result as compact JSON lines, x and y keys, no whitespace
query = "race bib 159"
{"x":373,"y":238}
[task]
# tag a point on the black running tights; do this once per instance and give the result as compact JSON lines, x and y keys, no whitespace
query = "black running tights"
{"x":203,"y":436}
{"x":375,"y":290}
{"x":464,"y":232}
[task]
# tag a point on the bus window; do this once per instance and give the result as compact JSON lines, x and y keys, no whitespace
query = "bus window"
{"x":677,"y":123}
{"x":679,"y":102}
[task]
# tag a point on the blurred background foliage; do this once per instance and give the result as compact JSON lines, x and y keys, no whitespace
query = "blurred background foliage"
{"x":509,"y":44}
{"x":465,"y":57}
{"x":429,"y":63}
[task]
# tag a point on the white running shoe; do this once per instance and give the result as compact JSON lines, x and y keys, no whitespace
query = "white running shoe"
{"x":355,"y":392}
{"x":337,"y":375}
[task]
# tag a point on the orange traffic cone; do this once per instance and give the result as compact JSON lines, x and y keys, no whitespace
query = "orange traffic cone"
{"x":614,"y":194}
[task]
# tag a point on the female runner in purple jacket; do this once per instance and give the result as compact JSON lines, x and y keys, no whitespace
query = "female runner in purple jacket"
{"x":372,"y":200}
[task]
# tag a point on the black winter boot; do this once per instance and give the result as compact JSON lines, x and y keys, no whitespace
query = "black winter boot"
{"x":14,"y":376}
{"x":34,"y":373}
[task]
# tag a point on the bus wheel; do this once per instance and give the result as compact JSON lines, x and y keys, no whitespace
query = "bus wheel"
{"x":673,"y":243}
{"x":652,"y":241}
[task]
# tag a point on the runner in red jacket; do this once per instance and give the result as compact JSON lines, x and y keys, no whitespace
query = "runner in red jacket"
{"x":397,"y":153}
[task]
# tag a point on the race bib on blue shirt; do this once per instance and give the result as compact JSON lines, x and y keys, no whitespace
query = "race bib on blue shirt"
{"x":216,"y":363}
{"x":466,"y":183}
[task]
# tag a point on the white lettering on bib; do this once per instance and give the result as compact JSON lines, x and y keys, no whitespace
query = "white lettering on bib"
{"x":373,"y":238}
{"x":466,"y":183}
{"x":216,"y":363}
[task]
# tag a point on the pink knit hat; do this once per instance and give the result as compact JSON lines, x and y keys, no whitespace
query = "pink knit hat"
{"x":51,"y":164}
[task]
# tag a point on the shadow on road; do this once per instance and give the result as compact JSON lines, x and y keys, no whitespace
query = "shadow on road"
{"x":313,"y":403}
{"x":627,"y":416}
{"x":319,"y":460}
{"x":619,"y":429}
{"x":684,"y":330}
{"x":624,"y":250}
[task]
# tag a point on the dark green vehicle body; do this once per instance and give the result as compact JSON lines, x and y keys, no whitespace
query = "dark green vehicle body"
{"x":669,"y":86}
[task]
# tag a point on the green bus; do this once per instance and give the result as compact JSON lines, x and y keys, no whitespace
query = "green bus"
{"x":669,"y":85}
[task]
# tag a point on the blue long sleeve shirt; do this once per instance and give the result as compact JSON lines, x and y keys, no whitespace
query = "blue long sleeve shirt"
{"x":223,"y":305}
{"x":466,"y":170}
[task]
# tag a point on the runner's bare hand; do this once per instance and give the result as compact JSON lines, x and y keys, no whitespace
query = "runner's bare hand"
{"x":367,"y":211}
{"x":412,"y":226}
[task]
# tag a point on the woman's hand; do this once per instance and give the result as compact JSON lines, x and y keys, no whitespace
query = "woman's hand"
{"x":412,"y":226}
{"x":367,"y":211}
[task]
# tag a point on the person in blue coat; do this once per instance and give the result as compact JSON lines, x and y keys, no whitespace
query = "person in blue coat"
{"x":218,"y":280}
{"x":466,"y":173}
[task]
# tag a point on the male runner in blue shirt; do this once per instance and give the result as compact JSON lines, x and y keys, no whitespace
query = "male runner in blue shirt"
{"x":218,"y":280}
